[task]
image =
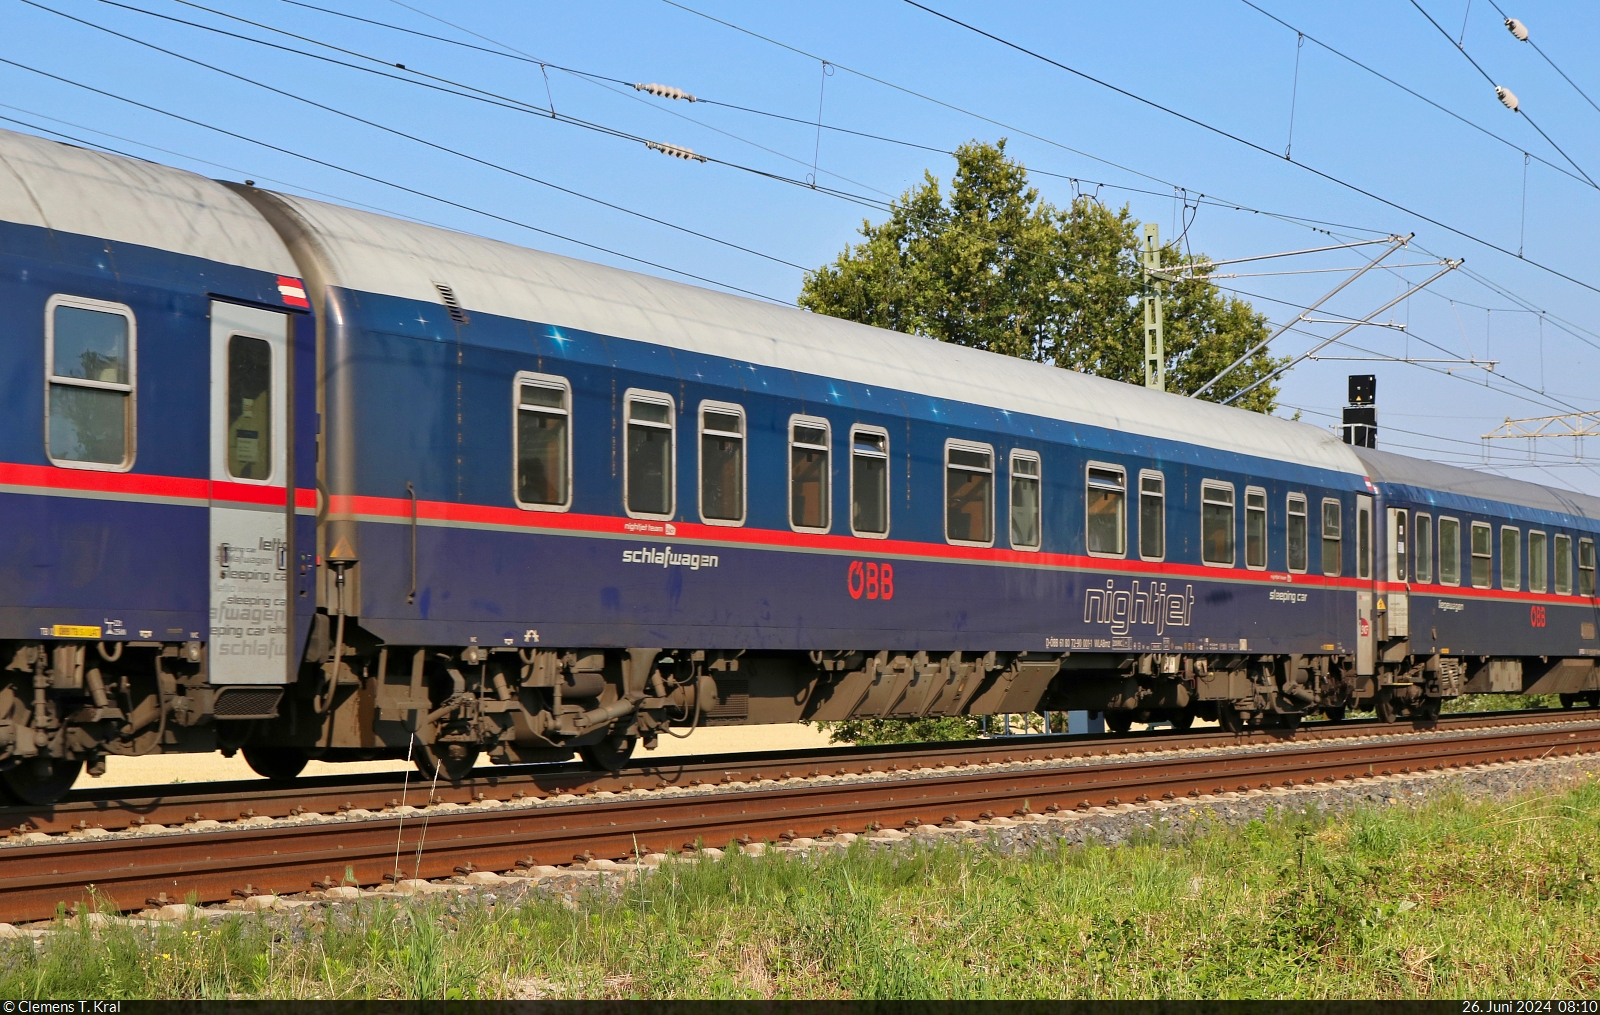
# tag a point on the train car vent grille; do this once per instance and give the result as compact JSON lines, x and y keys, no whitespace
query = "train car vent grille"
{"x":247,"y":703}
{"x":732,"y":700}
{"x":448,"y":295}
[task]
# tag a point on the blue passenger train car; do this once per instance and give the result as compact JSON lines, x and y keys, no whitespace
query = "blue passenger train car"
{"x":539,"y":505}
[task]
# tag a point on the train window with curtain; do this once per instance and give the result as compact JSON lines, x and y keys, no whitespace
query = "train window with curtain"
{"x":543,"y":441}
{"x":1025,"y":507}
{"x":1255,"y":528}
{"x":1106,"y":514}
{"x":869,"y":481}
{"x":1510,"y":558}
{"x":968,"y":493}
{"x":1216,"y":524}
{"x":1563,"y":564}
{"x":1297,"y":534}
{"x":1482,"y":555}
{"x":1538,"y":563}
{"x":1152,"y":516}
{"x":722,"y":465}
{"x":1332,"y":537}
{"x":1422,"y":539}
{"x":1449,"y":551}
{"x":1585,"y":567}
{"x":810,"y":474}
{"x":648,"y":454}
{"x":89,"y":384}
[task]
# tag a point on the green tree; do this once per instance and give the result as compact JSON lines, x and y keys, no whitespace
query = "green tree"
{"x":996,"y":268}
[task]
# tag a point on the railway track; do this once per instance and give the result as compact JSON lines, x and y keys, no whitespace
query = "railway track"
{"x":943,"y":784}
{"x":190,"y":803}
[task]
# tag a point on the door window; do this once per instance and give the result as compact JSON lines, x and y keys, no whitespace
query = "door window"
{"x":1332,"y":536}
{"x":1255,"y":528}
{"x":249,"y":408}
{"x":1106,"y":518}
{"x":1423,"y":558}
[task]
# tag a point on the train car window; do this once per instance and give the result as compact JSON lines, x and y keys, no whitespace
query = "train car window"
{"x":1482,"y":555}
{"x":722,"y":465}
{"x":543,"y":441}
{"x":1563,"y":564}
{"x":1510,"y":558}
{"x":1449,"y":551}
{"x":1106,"y":510}
{"x":1152,"y":516}
{"x":1255,"y":528}
{"x":1538,"y":563}
{"x":1422,"y":560}
{"x":249,"y":408}
{"x":968,"y":493}
{"x":1025,"y":513}
{"x":1296,"y":534}
{"x":648,"y":454}
{"x":810,"y":474}
{"x":1332,"y":537}
{"x":1585,"y":567}
{"x":869,"y":482}
{"x":1216,"y":524}
{"x":89,"y":384}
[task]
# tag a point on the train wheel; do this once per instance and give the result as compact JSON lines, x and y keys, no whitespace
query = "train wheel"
{"x":1334,"y":714}
{"x":610,"y":754}
{"x":1570,"y":700}
{"x":449,"y":766}
{"x":1119,"y":722}
{"x":1182,"y":720}
{"x":1429,"y":710}
{"x":42,"y":780}
{"x":1383,"y":705}
{"x":1229,"y":718}
{"x":277,"y":763}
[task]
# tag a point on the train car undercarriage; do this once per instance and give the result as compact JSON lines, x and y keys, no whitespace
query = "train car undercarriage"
{"x":64,"y":705}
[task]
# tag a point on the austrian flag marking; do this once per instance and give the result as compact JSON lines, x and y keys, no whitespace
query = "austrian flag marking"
{"x":293,"y":292}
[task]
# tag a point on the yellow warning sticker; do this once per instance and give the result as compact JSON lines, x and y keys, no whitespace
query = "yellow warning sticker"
{"x":75,"y":631}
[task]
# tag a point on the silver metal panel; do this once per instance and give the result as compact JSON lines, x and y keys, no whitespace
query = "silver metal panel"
{"x":372,"y":253}
{"x":75,"y":190}
{"x":1386,"y":467}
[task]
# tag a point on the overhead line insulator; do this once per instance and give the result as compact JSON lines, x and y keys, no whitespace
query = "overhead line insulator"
{"x":665,"y":92}
{"x":1508,"y":98}
{"x":1517,"y":28}
{"x":675,"y":151}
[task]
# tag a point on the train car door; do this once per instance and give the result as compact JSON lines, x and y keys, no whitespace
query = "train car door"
{"x":250,"y":616}
{"x":1364,"y":593}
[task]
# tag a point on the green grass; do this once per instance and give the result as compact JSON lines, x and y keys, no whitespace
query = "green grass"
{"x":1456,"y":899}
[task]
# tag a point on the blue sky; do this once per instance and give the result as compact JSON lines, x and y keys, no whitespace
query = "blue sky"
{"x":1222,"y":63}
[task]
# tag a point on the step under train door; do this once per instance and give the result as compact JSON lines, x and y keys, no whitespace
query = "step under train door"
{"x":251,"y":502}
{"x":1364,"y":593}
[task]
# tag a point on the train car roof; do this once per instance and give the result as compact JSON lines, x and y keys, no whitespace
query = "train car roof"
{"x":75,"y":190}
{"x":1387,"y":467}
{"x":375,"y":253}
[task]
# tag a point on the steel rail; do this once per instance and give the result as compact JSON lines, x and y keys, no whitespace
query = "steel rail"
{"x":182,"y":803}
{"x":206,"y":867}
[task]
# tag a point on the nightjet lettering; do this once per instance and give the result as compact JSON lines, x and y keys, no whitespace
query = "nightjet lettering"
{"x":668,"y":558}
{"x":1122,"y":608}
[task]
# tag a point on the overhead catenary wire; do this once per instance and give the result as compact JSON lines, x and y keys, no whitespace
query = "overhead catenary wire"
{"x":1500,"y":90}
{"x":1355,"y":188}
{"x":397,"y":186}
{"x":1415,"y":94}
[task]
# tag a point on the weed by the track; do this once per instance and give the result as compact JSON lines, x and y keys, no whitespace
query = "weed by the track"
{"x":1456,"y":899}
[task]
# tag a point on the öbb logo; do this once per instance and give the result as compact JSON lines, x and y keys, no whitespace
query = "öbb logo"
{"x":1536,"y":616}
{"x":870,"y":579}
